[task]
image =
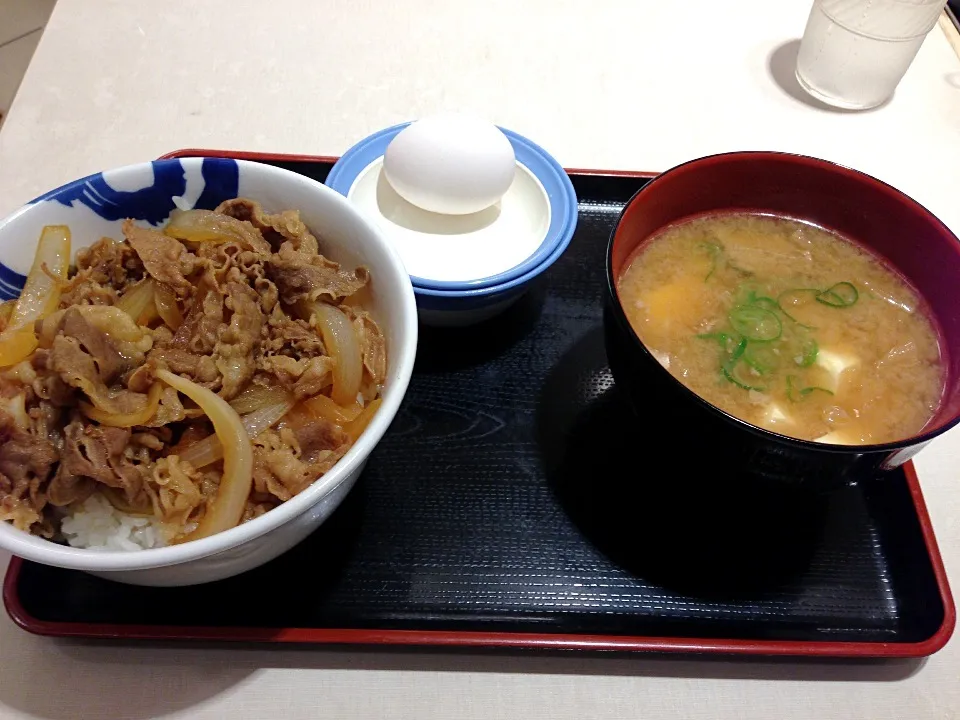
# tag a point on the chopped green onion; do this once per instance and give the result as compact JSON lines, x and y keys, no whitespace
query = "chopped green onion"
{"x":713,"y":250}
{"x":841,"y":295}
{"x":738,"y":351}
{"x":767,"y":303}
{"x":755,"y":323}
{"x":734,"y":373}
{"x":730,"y":344}
{"x":797,"y":394}
{"x":718,"y":258}
{"x":809,"y":351}
{"x":763,"y":301}
{"x":801,"y":349}
{"x":720,"y":337}
{"x":794,"y":291}
{"x":762,"y":357}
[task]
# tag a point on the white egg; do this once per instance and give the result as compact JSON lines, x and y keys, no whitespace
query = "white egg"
{"x":450,"y":163}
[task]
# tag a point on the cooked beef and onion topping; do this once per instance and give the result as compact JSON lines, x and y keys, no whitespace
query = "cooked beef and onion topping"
{"x":179,"y":382}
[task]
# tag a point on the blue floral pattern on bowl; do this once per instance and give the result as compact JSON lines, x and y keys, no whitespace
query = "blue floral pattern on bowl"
{"x":95,"y":206}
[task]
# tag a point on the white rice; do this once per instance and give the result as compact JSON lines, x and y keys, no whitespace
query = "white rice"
{"x":97,"y":525}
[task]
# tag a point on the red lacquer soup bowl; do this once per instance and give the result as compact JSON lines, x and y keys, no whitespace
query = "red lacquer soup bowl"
{"x":876,"y":216}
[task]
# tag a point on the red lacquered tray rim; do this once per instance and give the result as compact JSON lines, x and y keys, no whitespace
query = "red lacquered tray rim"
{"x":295,"y":157}
{"x":464,"y":639}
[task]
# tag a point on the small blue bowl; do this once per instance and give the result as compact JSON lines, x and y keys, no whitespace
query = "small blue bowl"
{"x":454,"y":308}
{"x":556,"y":183}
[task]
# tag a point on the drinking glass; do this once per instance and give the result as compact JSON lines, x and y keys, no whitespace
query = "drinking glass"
{"x":854,"y":52}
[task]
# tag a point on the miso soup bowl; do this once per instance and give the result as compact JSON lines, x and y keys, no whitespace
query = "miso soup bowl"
{"x":873,"y":214}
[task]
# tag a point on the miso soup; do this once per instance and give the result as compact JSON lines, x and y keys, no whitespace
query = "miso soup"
{"x":787,"y":326}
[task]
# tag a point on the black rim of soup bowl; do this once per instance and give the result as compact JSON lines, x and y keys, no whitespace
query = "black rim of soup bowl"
{"x":756,"y":450}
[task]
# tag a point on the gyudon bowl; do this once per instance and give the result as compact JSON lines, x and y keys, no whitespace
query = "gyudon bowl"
{"x":270,"y":353}
{"x":744,"y":341}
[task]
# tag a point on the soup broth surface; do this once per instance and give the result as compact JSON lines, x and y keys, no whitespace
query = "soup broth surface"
{"x":787,"y":326}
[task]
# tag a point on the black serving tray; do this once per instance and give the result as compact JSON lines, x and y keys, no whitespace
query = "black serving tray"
{"x":516,"y":501}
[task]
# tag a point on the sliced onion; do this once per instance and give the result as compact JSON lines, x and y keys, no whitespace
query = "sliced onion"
{"x":16,"y":408}
{"x":208,"y":226}
{"x":298,"y":417}
{"x":148,"y":315}
{"x":355,"y":429}
{"x":324,"y":407}
{"x":110,"y":320}
{"x":130,"y":419}
{"x":138,"y":299}
{"x":209,"y":450}
{"x":6,"y":310}
{"x":16,"y":346}
{"x":255,"y":397}
{"x":200,"y":226}
{"x":113,"y":322}
{"x":41,"y":292}
{"x":167,"y":308}
{"x":40,"y":295}
{"x":340,"y":339}
{"x":203,"y":452}
{"x":266,"y":417}
{"x":237,"y":479}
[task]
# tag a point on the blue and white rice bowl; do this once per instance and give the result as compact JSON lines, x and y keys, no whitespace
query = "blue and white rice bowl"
{"x":541,"y":183}
{"x":95,"y":207}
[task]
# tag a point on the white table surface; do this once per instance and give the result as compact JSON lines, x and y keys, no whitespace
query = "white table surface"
{"x":624,"y":84}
